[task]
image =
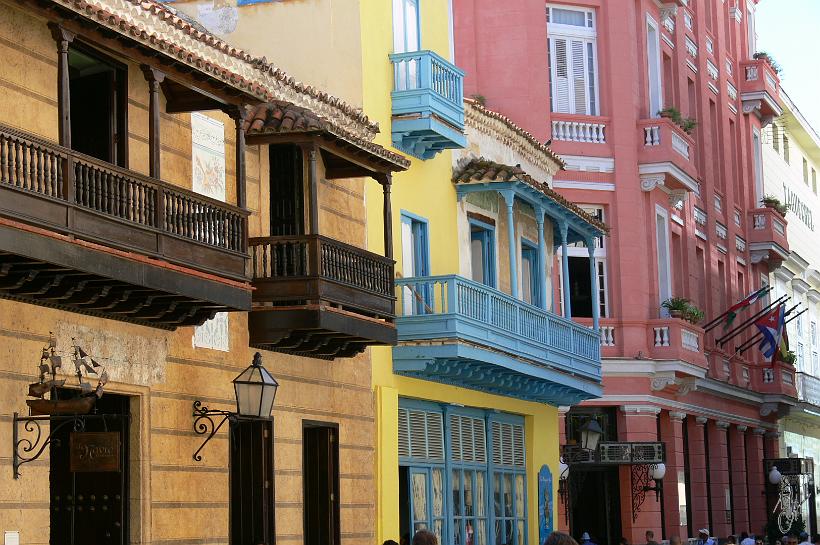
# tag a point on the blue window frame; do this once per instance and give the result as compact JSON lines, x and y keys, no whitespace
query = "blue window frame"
{"x":470,"y":490}
{"x":415,"y":254}
{"x":482,"y":252}
{"x":530,"y":272}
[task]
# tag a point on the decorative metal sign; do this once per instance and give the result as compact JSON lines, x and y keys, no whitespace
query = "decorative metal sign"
{"x":545,"y":504}
{"x":94,"y":451}
{"x":616,"y":453}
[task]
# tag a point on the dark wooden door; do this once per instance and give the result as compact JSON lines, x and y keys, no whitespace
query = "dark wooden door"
{"x":287,"y":213}
{"x":252,"y":492}
{"x":321,"y":484}
{"x":91,"y":508}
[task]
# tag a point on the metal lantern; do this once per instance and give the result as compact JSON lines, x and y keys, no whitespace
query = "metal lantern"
{"x":658,"y":472}
{"x":255,"y":390}
{"x":591,"y":433}
{"x":775,"y":476}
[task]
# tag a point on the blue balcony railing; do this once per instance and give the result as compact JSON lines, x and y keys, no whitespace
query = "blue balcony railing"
{"x":428,"y":103}
{"x":537,"y":345}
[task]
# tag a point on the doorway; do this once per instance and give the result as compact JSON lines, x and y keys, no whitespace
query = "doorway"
{"x":98,"y":105}
{"x":90,"y":506}
{"x":595,"y":504}
{"x":320,"y":444}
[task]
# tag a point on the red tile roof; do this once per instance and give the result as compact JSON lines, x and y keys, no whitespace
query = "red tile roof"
{"x":482,"y":170}
{"x":236,"y":67}
{"x":280,"y":117}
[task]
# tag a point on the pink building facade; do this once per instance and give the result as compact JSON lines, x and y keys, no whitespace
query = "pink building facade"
{"x":683,"y":200}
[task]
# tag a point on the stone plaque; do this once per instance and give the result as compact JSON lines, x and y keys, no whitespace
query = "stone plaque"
{"x":95,"y":451}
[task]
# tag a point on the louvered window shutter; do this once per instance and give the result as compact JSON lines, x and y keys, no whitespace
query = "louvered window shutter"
{"x":579,"y":80}
{"x":560,"y":76}
{"x":468,"y":440}
{"x":508,"y":444}
{"x":421,"y":435}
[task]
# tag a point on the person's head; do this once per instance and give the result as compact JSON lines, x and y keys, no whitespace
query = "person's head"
{"x":674,"y":540}
{"x":703,"y":533}
{"x":804,"y":536}
{"x":560,"y":538}
{"x":650,"y":535}
{"x":743,"y":535}
{"x":731,"y":539}
{"x":390,"y":542}
{"x":792,"y":539}
{"x":425,"y":537}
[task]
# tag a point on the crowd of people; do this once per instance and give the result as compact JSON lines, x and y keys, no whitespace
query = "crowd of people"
{"x":425,"y":537}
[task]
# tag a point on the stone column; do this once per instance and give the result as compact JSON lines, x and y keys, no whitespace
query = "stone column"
{"x":719,"y":479}
{"x":509,"y":200}
{"x":697,"y":473}
{"x":772,"y":444}
{"x":740,"y":496}
{"x":542,"y":258}
{"x":638,"y":423}
{"x":756,"y":479}
{"x":563,"y":229}
{"x":672,"y":423}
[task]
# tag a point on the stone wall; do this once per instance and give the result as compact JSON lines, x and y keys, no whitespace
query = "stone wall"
{"x":173,"y":498}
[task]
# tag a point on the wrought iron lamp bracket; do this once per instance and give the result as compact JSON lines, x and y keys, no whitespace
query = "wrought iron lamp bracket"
{"x":30,"y":448}
{"x":205,"y":423}
{"x":641,"y":475}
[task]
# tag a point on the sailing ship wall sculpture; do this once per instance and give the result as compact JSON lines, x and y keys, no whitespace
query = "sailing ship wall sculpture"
{"x":64,"y":401}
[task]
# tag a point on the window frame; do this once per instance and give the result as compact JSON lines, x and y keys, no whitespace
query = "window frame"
{"x":529,"y":252}
{"x":654,"y":87}
{"x":580,"y":250}
{"x":589,"y":36}
{"x":404,"y":3}
{"x":488,"y":243}
{"x":420,"y":239}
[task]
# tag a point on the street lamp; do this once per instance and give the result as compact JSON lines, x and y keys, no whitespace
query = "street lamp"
{"x":591,"y":433}
{"x":775,"y":476}
{"x":254,"y":388}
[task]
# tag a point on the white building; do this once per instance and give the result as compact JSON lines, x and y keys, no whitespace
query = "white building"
{"x":791,"y":162}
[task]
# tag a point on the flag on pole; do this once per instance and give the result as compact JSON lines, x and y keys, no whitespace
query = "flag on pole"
{"x":784,"y":342}
{"x":749,"y":300}
{"x":771,"y":326}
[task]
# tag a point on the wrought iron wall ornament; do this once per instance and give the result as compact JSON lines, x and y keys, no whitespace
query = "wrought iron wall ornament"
{"x":204,"y":423}
{"x":641,"y":474}
{"x":30,"y":447}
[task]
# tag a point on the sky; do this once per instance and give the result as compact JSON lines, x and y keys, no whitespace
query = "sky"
{"x":788,"y":30}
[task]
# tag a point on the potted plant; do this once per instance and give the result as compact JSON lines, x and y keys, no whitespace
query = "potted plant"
{"x":677,"y":306}
{"x":693,"y":314}
{"x":670,"y":112}
{"x":688,"y":125}
{"x":762,"y":55}
{"x":770,"y":201}
{"x":789,"y":358}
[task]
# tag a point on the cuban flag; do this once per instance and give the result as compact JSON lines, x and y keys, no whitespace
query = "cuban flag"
{"x":771,"y":327}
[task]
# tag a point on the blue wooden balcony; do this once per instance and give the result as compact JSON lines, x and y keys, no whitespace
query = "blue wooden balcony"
{"x":428,"y":104}
{"x":457,"y":331}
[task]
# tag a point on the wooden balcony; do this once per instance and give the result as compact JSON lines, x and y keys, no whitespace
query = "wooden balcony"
{"x":666,"y":156}
{"x":84,"y":235}
{"x":318,"y":297}
{"x":767,"y":237}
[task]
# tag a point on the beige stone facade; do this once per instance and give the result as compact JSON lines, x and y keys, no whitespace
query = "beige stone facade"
{"x":173,"y":499}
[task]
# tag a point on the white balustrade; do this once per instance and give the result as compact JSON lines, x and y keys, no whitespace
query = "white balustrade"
{"x":661,"y":335}
{"x":680,"y":145}
{"x":579,"y":131}
{"x":689,"y":340}
{"x":652,"y":136}
{"x":607,"y":335}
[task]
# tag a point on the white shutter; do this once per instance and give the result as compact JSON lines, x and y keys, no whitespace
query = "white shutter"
{"x":579,"y":77}
{"x":468,"y":441}
{"x":560,"y":76}
{"x":421,"y":435}
{"x":508,"y":444}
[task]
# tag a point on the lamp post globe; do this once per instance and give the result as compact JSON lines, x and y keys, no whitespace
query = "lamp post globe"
{"x":659,"y":472}
{"x":591,"y":433}
{"x":255,"y":390}
{"x":775,"y":476}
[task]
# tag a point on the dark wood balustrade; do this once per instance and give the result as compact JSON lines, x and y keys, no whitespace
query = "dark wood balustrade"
{"x":283,"y":268}
{"x":319,"y":297}
{"x":50,"y":186}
